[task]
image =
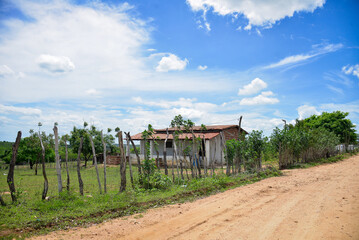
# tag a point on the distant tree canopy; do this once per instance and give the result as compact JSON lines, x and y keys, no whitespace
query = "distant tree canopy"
{"x":30,"y":148}
{"x":334,"y":122}
{"x":77,"y":133}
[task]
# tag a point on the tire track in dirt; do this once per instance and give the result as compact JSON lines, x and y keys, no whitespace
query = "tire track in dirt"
{"x":316,"y":203}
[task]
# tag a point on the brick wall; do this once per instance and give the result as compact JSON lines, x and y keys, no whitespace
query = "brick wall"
{"x":231,"y":133}
{"x":113,"y":160}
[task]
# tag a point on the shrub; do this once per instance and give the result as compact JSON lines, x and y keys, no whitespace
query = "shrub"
{"x":157,"y":181}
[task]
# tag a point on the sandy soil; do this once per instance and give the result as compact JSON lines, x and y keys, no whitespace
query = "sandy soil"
{"x":316,"y":203}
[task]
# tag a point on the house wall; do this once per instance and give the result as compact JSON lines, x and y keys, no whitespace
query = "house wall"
{"x":142,"y":147}
{"x":161,"y":148}
{"x":231,"y":133}
{"x":213,"y":147}
{"x":214,"y":151}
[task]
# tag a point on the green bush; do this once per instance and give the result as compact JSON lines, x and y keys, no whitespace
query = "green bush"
{"x":156,"y":181}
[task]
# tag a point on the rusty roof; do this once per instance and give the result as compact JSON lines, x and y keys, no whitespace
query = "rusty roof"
{"x":162,"y":136}
{"x":210,"y":132}
{"x":198,"y":128}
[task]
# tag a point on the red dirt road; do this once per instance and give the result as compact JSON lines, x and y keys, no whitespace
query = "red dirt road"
{"x":316,"y":203}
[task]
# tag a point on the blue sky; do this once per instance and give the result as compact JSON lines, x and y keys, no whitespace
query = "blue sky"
{"x":128,"y":64}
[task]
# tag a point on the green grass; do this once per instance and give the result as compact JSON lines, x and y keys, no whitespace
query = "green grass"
{"x":321,"y":161}
{"x":30,"y":215}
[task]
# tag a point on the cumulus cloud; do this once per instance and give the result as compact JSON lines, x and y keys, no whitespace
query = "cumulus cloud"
{"x":262,"y":13}
{"x":104,"y":42}
{"x":262,"y":99}
{"x":171,"y":63}
{"x":354,"y":69}
{"x":295,"y":59}
{"x":255,"y":86}
{"x":202,"y":68}
{"x":55,"y":64}
{"x":305,"y":111}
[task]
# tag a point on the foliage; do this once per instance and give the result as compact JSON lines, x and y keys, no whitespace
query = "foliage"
{"x":157,"y":180}
{"x":296,"y":144}
{"x":4,"y":147}
{"x":77,"y":133}
{"x":247,"y":152}
{"x":132,"y":150}
{"x":151,"y":178}
{"x":335,"y":122}
{"x":148,"y":135}
{"x":232,"y":146}
{"x":30,"y":148}
{"x":149,"y":167}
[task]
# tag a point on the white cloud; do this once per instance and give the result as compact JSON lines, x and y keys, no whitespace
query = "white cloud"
{"x":171,"y":63}
{"x":5,"y":70}
{"x":19,"y":110}
{"x":108,"y":46}
{"x":181,"y":103}
{"x":354,"y":69}
{"x":255,"y":86}
{"x":202,"y":68}
{"x":352,"y":107}
{"x":338,"y":78}
{"x":92,"y":92}
{"x":305,"y":111}
{"x":55,"y":64}
{"x":261,"y":13}
{"x":295,"y":59}
{"x":290,"y":60}
{"x":335,"y":89}
{"x":105,"y":42}
{"x":262,"y":99}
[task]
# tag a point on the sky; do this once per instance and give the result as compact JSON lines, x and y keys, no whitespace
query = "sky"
{"x":132,"y":63}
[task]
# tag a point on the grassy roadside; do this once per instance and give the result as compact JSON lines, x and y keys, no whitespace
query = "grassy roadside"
{"x":32,"y":216}
{"x":28,"y":218}
{"x":321,"y":161}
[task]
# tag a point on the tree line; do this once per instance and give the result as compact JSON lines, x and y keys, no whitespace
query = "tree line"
{"x":304,"y":141}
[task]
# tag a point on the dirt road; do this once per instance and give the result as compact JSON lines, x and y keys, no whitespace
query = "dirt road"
{"x":316,"y":203}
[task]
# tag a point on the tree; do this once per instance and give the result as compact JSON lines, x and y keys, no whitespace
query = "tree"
{"x":335,"y":122}
{"x":75,"y":140}
{"x":76,"y":134}
{"x":30,"y":149}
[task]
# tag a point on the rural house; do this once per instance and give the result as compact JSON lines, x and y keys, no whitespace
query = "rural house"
{"x":212,"y":141}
